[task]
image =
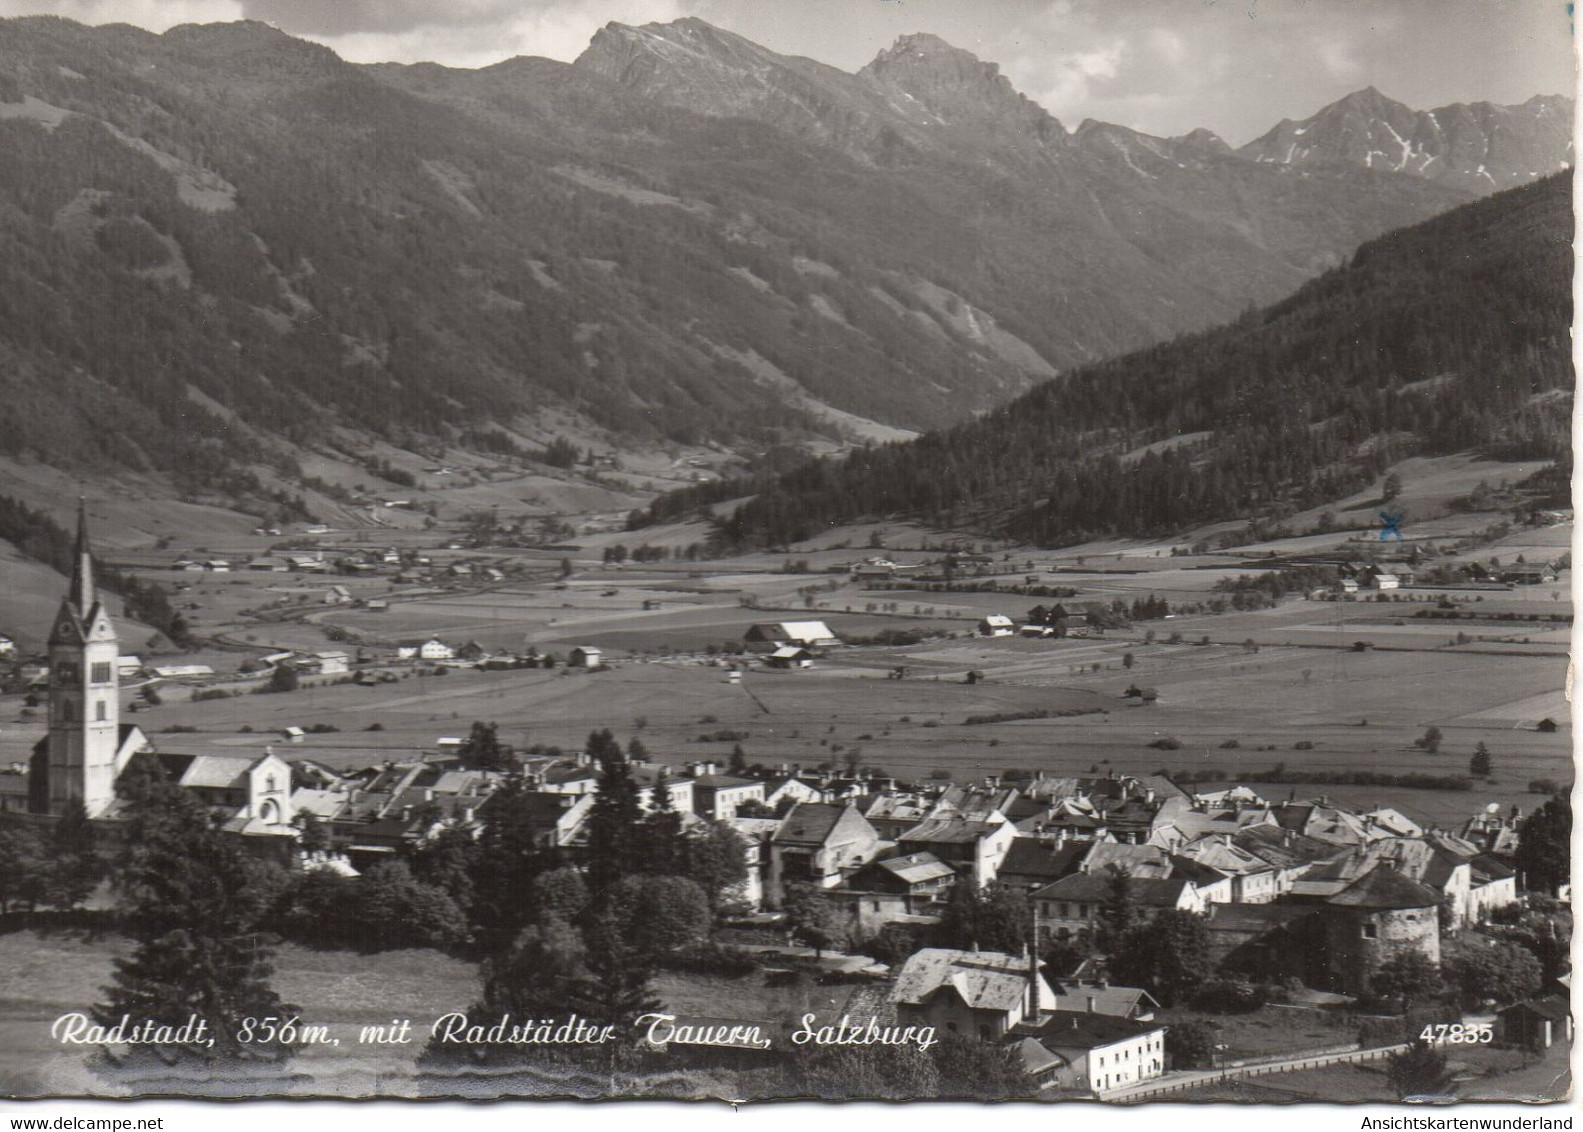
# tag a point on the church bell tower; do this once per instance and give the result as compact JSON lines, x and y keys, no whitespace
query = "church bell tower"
{"x":79,"y":756}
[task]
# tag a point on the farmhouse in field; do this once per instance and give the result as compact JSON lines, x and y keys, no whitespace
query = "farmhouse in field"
{"x":996,"y":625}
{"x":584,"y":656}
{"x":803,"y":634}
{"x":789,"y":656}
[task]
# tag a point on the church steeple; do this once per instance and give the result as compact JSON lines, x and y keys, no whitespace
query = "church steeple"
{"x":82,"y":589}
{"x":78,"y":760}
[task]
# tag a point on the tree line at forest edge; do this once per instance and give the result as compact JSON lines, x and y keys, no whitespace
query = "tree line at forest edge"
{"x":1440,"y":338}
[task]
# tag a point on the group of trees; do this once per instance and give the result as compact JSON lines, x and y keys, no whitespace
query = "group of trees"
{"x":54,"y":868}
{"x":558,"y":939}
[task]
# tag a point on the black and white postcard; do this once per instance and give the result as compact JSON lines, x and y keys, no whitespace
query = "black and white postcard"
{"x":717,"y":550}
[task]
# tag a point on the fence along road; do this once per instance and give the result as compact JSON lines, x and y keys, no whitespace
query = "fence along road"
{"x":1199,"y":1078}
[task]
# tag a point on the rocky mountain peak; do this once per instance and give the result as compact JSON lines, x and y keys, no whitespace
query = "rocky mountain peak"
{"x":923,"y":75}
{"x":1202,"y":139}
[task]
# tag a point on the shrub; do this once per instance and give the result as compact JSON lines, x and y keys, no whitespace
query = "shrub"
{"x":1167,"y":743}
{"x":711,"y":959}
{"x":1190,"y":1045}
{"x":1228,"y":996}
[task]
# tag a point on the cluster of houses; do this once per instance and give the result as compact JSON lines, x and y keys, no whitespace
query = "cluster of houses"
{"x":1084,"y":1037}
{"x":1312,"y":890}
{"x":1353,"y":578}
{"x":1086,"y":620}
{"x":402,"y":566}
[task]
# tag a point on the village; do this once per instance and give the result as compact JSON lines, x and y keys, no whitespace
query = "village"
{"x":1114,"y":928}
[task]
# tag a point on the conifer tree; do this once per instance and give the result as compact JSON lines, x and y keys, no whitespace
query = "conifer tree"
{"x":73,"y":867}
{"x":614,"y":839}
{"x":662,"y":833}
{"x":193,"y":902}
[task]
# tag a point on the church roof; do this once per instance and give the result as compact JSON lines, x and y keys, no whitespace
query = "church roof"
{"x":221,"y":771}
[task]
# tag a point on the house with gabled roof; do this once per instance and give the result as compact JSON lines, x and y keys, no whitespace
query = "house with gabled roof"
{"x":818,"y":844}
{"x":788,"y":790}
{"x":1100,"y":997}
{"x":1536,"y":1024}
{"x":974,"y":848}
{"x":1032,"y":863}
{"x":982,"y":994}
{"x":1252,"y":880}
{"x":719,"y":796}
{"x":892,"y":814}
{"x":910,"y":889}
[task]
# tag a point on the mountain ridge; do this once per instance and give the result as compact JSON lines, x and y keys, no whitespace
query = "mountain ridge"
{"x":1443,"y":337}
{"x":243,"y":250}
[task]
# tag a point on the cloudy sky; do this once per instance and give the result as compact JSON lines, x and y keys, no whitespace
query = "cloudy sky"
{"x":1163,"y":66}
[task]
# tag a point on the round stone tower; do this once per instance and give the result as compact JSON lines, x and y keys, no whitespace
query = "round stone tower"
{"x":1377,"y":917}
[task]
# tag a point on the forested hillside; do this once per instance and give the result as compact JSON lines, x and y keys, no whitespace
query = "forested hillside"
{"x":1448,"y":336}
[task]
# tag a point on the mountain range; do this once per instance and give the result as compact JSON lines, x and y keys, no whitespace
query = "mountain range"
{"x":1447,"y":337}
{"x":222,"y":248}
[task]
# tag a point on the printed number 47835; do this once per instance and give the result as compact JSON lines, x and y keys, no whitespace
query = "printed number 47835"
{"x":1457,"y":1034}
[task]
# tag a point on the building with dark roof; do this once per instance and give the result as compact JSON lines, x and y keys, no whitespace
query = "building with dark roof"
{"x":1031,"y":864}
{"x":1381,"y":915}
{"x":1089,"y":1051}
{"x":1536,"y":1024}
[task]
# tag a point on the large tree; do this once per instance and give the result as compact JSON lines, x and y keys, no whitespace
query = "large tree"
{"x":508,"y":858}
{"x":1544,"y":846}
{"x":1169,"y":954}
{"x":1117,"y":916}
{"x":715,"y":856}
{"x":996,"y":918}
{"x":1410,"y":976}
{"x":395,"y":909}
{"x":193,"y":903}
{"x":542,"y":975}
{"x":814,"y":919}
{"x":657,"y":914}
{"x":620,"y":969}
{"x":72,"y":866}
{"x":661,"y":838}
{"x":483,"y":750}
{"x":22,"y":866}
{"x":1492,"y":971}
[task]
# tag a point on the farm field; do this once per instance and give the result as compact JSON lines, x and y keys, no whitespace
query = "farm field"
{"x":1237,"y":692}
